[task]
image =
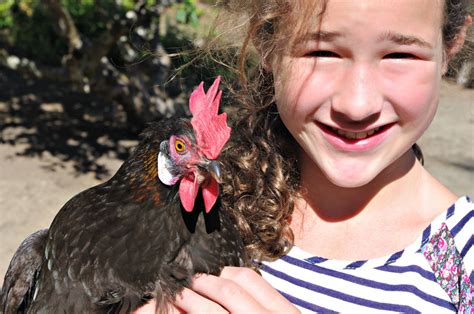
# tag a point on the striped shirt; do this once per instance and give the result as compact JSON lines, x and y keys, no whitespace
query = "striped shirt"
{"x":432,"y":275}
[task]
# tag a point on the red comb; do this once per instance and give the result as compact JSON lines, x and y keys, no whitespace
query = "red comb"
{"x":210,"y":128}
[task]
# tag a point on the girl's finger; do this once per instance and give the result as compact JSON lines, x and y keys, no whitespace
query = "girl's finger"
{"x":191,"y":302}
{"x":148,"y":308}
{"x":226,"y":292}
{"x":259,"y":288}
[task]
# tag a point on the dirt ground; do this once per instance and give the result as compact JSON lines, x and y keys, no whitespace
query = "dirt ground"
{"x":33,"y":189}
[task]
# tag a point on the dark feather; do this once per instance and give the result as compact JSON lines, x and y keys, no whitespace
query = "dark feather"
{"x":22,"y":273}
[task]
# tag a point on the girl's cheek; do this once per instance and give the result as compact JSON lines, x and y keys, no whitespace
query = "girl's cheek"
{"x":412,"y":87}
{"x":306,"y":85}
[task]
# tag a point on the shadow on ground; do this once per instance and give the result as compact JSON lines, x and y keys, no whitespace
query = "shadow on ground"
{"x":51,"y":119}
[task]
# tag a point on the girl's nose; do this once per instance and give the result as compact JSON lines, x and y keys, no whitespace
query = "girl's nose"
{"x":358,"y":96}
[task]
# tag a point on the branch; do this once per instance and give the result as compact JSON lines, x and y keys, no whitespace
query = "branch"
{"x":65,"y":24}
{"x":116,"y":28}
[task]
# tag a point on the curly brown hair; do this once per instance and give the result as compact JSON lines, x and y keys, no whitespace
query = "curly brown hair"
{"x":261,"y":172}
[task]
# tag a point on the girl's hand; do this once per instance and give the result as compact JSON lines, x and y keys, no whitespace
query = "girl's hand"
{"x":236,"y":290}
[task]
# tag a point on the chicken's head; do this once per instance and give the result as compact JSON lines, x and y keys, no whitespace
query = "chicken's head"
{"x":188,"y":158}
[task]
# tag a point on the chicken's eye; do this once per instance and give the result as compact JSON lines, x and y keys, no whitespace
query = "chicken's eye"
{"x":179,"y":146}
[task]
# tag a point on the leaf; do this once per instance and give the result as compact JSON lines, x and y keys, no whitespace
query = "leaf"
{"x":194,"y":19}
{"x":181,"y":16}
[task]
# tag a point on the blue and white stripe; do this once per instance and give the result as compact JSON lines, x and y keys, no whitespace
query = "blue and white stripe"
{"x":403,"y":282}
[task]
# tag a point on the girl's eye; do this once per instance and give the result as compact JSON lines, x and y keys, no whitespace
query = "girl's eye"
{"x":400,"y":55}
{"x":322,"y":54}
{"x":179,"y":146}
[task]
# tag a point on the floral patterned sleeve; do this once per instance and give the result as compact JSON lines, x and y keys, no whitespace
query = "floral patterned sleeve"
{"x":448,"y":265}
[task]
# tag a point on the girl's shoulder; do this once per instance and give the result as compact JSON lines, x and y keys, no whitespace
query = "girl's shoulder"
{"x":450,"y":237}
{"x":447,"y":245}
{"x":458,"y":219}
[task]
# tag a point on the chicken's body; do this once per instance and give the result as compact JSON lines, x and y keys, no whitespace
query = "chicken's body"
{"x":116,"y":245}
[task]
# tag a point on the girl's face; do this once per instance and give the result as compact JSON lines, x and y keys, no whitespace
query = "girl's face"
{"x":361,"y":88}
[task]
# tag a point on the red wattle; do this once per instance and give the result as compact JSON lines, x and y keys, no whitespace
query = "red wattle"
{"x":209,"y":194}
{"x":188,"y":189}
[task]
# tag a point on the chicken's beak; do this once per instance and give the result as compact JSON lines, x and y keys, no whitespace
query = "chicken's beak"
{"x":208,"y":169}
{"x":214,"y":170}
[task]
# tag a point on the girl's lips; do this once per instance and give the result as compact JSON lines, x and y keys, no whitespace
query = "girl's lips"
{"x":344,"y":143}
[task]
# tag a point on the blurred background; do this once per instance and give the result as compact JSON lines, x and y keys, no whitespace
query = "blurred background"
{"x":79,"y":79}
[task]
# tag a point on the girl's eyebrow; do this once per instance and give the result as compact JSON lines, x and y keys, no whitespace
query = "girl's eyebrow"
{"x":397,"y":38}
{"x":322,"y":36}
{"x":406,"y":40}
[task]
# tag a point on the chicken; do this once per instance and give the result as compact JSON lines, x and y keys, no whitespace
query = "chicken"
{"x":143,"y":234}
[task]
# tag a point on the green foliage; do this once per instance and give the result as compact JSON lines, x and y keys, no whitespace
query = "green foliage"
{"x":6,"y":19}
{"x":32,"y":27}
{"x":91,"y":19}
{"x":188,"y":13}
{"x":33,"y":33}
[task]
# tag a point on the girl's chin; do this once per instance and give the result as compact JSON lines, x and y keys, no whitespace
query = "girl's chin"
{"x":350,"y":182}
{"x":351,"y":175}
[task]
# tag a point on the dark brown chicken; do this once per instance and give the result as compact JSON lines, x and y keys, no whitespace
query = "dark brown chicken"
{"x":143,"y":234}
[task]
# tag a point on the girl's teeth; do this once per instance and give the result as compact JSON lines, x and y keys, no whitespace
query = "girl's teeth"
{"x":361,"y":135}
{"x":355,"y":135}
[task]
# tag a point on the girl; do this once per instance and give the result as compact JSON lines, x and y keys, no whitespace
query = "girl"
{"x":324,"y":176}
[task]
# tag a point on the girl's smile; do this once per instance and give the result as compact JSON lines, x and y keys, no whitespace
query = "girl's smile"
{"x":352,"y":140}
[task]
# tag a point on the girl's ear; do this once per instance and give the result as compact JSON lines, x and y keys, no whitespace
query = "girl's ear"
{"x":459,"y":40}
